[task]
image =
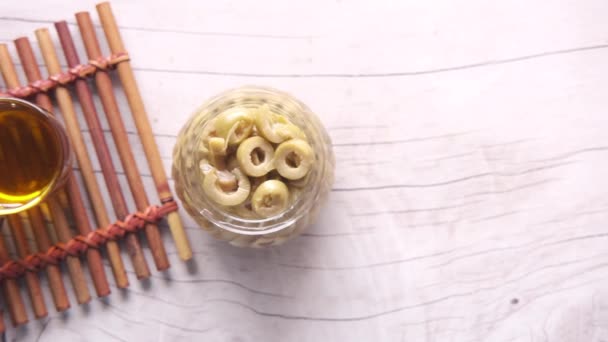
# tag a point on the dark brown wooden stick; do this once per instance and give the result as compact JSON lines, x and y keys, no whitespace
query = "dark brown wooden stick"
{"x":103,"y":153}
{"x":106,"y":94}
{"x":84,"y":161}
{"x":10,"y":290}
{"x":98,"y":273}
{"x":31,"y":279}
{"x":37,"y":223}
{"x":143,"y":127}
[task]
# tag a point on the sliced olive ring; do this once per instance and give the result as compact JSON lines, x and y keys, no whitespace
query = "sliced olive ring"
{"x":270,"y":198}
{"x":214,"y":188}
{"x":225,"y":179}
{"x":293,"y":159}
{"x":234,"y":125}
{"x":255,"y":156}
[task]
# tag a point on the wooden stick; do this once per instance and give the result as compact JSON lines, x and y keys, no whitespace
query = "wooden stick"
{"x":143,"y":127}
{"x":36,"y":218}
{"x":103,"y":153}
{"x":31,"y":279}
{"x":79,"y":282}
{"x":86,"y":168}
{"x":2,"y":326}
{"x":53,"y":272}
{"x":98,"y":273}
{"x":106,"y":93}
{"x":10,"y":290}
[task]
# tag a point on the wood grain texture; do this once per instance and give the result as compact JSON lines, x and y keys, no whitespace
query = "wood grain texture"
{"x":470,"y":196}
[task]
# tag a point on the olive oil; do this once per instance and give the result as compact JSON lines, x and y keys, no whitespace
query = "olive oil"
{"x":32,"y":155}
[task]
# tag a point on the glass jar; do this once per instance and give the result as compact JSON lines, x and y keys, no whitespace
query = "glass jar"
{"x":223,"y":222}
{"x":35,"y":155}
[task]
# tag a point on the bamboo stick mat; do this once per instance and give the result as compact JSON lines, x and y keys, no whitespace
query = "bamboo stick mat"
{"x":62,"y":229}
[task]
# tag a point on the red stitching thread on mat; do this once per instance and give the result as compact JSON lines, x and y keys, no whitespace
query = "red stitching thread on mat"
{"x":79,"y":244}
{"x":67,"y":77}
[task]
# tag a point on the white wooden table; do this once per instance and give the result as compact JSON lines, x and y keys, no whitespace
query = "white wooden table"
{"x":470,"y":201}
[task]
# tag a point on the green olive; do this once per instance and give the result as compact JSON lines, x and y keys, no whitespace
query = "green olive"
{"x":293,"y":159}
{"x":212,"y":185}
{"x":255,"y":156}
{"x":226,"y":180}
{"x":274,"y":127}
{"x":270,"y":198}
{"x":234,"y":125}
{"x":217,"y":152}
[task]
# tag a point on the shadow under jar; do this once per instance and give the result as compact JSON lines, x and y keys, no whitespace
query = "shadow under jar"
{"x":207,"y":147}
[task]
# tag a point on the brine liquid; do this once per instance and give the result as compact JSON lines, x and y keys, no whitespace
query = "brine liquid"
{"x":30,"y":156}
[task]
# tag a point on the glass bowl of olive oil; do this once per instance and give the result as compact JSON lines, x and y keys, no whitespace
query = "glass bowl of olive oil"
{"x":35,"y":156}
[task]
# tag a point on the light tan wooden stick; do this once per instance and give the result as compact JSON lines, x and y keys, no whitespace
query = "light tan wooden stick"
{"x":10,"y":290}
{"x":146,"y":135}
{"x":31,"y":278}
